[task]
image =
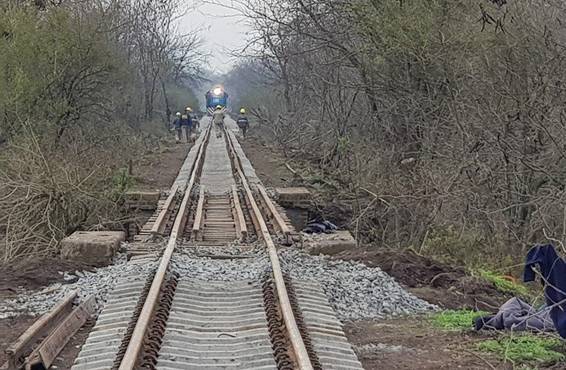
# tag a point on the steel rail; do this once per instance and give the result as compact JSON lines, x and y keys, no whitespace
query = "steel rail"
{"x":299,"y":349}
{"x":136,"y":343}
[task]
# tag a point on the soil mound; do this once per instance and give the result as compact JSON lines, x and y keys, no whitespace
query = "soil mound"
{"x":35,"y":274}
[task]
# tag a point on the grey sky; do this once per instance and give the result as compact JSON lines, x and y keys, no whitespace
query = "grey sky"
{"x":225,"y":31}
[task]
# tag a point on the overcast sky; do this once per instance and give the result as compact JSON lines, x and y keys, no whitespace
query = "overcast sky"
{"x":225,"y":31}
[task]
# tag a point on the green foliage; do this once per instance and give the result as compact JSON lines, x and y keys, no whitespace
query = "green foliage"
{"x":525,"y":348}
{"x":503,"y":284}
{"x":397,"y":28}
{"x":180,"y":98}
{"x":447,"y":244}
{"x":456,"y":319}
{"x":122,"y":182}
{"x":54,"y":71}
{"x":72,"y":108}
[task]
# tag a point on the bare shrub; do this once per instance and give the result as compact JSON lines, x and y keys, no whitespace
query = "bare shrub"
{"x":425,"y":116}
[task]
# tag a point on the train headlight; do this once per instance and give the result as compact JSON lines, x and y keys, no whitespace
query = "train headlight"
{"x":217,"y":91}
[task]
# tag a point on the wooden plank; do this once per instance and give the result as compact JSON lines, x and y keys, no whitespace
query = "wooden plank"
{"x":159,"y":223}
{"x":281,"y":224}
{"x":198,"y":215}
{"x":39,"y":328}
{"x":241,"y":227}
{"x":47,"y":352}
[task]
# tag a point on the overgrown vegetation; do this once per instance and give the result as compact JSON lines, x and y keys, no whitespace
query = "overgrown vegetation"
{"x":83,"y":86}
{"x":428,"y":115}
{"x":525,"y":348}
{"x":504,"y":284}
{"x":456,"y":319}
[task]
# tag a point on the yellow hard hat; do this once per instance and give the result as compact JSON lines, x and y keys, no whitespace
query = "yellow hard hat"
{"x":189,"y":109}
{"x":218,"y":107}
{"x":243,"y":110}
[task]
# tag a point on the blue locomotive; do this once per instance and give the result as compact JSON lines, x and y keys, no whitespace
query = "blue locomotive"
{"x":215,"y":97}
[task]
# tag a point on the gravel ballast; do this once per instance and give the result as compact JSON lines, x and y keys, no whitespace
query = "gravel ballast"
{"x":354,"y":290}
{"x":212,"y":269}
{"x":99,"y":282}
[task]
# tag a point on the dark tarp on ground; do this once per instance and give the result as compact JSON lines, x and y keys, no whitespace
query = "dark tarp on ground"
{"x":320,"y":226}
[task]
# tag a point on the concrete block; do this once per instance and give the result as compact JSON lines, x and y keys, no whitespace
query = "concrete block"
{"x":92,"y":247}
{"x":329,"y":244}
{"x":293,"y":197}
{"x":144,"y":200}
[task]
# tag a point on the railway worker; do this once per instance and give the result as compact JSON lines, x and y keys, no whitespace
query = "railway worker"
{"x":218,"y":117}
{"x":186,"y":125}
{"x":191,"y":119}
{"x":243,"y":122}
{"x":177,"y":127}
{"x":195,"y":120}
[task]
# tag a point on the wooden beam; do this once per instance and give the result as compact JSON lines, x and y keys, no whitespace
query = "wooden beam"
{"x":159,"y":224}
{"x":279,"y":221}
{"x":198,"y":215}
{"x":241,"y":226}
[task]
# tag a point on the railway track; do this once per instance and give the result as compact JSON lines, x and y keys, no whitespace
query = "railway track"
{"x":167,"y":320}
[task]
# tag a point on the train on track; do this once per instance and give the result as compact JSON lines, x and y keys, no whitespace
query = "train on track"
{"x":215,"y":97}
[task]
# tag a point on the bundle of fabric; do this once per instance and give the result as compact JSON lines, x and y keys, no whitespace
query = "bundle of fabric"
{"x":319,"y":225}
{"x":518,"y":315}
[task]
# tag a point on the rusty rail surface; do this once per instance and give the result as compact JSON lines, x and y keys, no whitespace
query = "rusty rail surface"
{"x":40,"y":328}
{"x":46,"y":353}
{"x":294,"y":334}
{"x":136,"y":343}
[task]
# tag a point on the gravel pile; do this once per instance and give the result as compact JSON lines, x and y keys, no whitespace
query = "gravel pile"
{"x":212,"y":269}
{"x":354,"y":290}
{"x":99,"y":282}
{"x":235,"y":249}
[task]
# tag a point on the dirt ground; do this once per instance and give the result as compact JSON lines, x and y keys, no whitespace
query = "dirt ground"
{"x":268,"y":163}
{"x":156,"y":170}
{"x":34,"y":275}
{"x":411,"y":343}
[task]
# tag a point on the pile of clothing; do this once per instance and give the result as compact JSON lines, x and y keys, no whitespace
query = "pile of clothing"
{"x":518,"y":315}
{"x":319,"y":226}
